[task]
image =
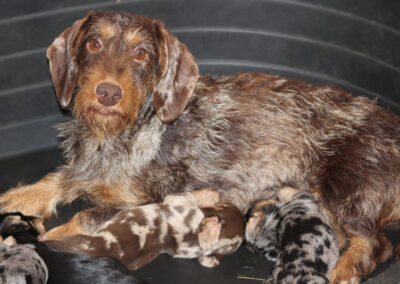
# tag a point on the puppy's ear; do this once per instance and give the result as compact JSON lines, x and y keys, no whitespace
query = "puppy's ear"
{"x":177,"y":76}
{"x":61,"y":55}
{"x":209,"y":231}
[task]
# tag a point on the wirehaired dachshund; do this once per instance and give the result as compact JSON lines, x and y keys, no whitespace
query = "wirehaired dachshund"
{"x":189,"y":225}
{"x":30,"y":261}
{"x":144,"y":124}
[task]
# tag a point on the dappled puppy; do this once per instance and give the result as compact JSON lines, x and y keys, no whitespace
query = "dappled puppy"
{"x":297,"y":235}
{"x":31,"y":261}
{"x":188,"y":225}
{"x":20,"y":264}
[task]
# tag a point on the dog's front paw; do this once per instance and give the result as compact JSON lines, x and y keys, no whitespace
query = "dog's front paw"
{"x":209,"y":261}
{"x":345,"y":275}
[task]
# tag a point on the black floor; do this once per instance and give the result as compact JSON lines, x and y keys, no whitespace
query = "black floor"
{"x":242,"y":267}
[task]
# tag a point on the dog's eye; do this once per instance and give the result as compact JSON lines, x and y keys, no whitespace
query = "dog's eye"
{"x":139,"y":55}
{"x":93,"y":46}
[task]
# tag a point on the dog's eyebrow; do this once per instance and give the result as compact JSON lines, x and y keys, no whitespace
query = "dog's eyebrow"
{"x":106,"y":29}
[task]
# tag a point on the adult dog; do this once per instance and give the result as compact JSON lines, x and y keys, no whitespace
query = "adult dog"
{"x":144,"y":124}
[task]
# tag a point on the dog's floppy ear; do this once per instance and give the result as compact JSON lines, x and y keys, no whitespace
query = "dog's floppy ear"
{"x":209,"y":232}
{"x":176,"y":77}
{"x":61,"y":55}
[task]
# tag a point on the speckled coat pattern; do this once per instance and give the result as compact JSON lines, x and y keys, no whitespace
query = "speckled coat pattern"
{"x":300,"y":237}
{"x":20,"y":264}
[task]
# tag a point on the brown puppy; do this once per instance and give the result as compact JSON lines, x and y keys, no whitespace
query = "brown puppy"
{"x":178,"y":227}
{"x":145,"y":124}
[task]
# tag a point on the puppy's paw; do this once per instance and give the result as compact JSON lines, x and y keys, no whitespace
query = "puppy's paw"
{"x":209,"y":261}
{"x":207,"y":197}
{"x":209,"y":231}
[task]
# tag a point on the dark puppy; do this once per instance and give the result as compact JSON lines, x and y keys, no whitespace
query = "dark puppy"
{"x":63,"y":267}
{"x":296,"y":234}
{"x":178,"y":226}
{"x":145,"y":124}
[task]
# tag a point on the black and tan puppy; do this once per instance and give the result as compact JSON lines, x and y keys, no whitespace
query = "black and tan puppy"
{"x":182,"y":226}
{"x":31,"y":261}
{"x":145,"y":123}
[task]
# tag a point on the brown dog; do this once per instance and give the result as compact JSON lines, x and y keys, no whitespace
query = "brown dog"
{"x":145,"y":124}
{"x":178,"y":227}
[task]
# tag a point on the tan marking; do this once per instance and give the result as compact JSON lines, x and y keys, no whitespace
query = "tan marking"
{"x":38,"y":199}
{"x":106,"y":29}
{"x":126,"y":110}
{"x":259,"y":205}
{"x":207,"y":197}
{"x":286,"y":193}
{"x":252,"y":226}
{"x":72,"y":227}
{"x":354,"y":263}
{"x":134,"y":36}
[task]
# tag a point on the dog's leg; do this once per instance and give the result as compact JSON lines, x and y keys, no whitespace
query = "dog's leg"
{"x":356,"y":261}
{"x":84,"y":222}
{"x":72,"y":227}
{"x":39,"y":199}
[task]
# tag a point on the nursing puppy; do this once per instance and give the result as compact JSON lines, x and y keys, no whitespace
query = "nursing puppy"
{"x":295,"y":233}
{"x":188,"y":225}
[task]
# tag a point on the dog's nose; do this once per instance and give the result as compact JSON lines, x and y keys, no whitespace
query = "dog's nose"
{"x":108,"y":94}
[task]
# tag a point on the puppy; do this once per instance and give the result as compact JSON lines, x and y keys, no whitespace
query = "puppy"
{"x":296,"y":234}
{"x":20,"y":264}
{"x":34,"y":262}
{"x":178,"y":227}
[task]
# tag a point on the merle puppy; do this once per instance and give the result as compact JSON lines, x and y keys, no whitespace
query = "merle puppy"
{"x":63,"y":267}
{"x":295,"y":234}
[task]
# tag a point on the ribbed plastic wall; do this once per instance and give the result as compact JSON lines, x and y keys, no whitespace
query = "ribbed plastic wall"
{"x":352,"y":44}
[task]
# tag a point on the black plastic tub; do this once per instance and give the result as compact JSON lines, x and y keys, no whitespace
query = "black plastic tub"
{"x":351,"y":44}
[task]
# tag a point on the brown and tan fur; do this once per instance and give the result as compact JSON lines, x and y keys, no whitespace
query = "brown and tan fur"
{"x":173,"y":131}
{"x":180,"y":226}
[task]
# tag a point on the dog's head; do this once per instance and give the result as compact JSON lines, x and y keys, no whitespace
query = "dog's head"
{"x":222,"y":228}
{"x":109,"y":62}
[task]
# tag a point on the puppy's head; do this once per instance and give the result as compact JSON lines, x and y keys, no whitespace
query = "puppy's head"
{"x":16,"y":224}
{"x":260,"y":229}
{"x":222,"y":228}
{"x":108,"y":63}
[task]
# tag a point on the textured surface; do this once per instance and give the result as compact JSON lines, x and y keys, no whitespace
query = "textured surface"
{"x":352,"y":46}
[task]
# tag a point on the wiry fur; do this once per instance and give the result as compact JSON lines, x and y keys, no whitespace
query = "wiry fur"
{"x":299,"y":236}
{"x":245,"y":135}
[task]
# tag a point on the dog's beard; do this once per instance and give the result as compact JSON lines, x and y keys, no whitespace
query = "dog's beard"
{"x":102,"y":125}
